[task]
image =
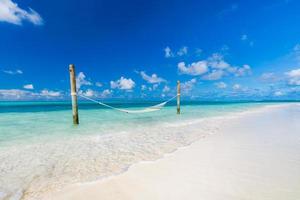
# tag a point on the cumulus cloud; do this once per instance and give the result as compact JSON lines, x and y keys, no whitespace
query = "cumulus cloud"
{"x":168,"y":52}
{"x":214,"y":75}
{"x":245,"y":39}
{"x":92,"y":93}
{"x":187,"y":86}
{"x":240,"y":71}
{"x":143,"y":87}
{"x":98,"y":84}
{"x":182,"y":51}
{"x":217,"y":61}
{"x":155,"y":86}
{"x":221,"y":85}
{"x":15,"y":94}
{"x":10,"y":12}
{"x":50,"y":93}
{"x":268,"y":77}
{"x":123,"y":84}
{"x":13,"y":72}
{"x":28,"y":86}
{"x":81,"y":80}
{"x":294,"y":77}
{"x":213,"y":68}
{"x":151,"y":79}
{"x":166,"y":89}
{"x":194,"y":69}
{"x":88,"y":92}
{"x":278,"y":93}
{"x":18,"y":94}
{"x":236,"y":87}
{"x":106,"y":93}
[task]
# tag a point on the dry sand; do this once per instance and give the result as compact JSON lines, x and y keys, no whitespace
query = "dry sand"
{"x":256,"y":156}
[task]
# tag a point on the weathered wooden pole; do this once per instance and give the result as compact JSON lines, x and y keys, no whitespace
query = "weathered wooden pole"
{"x":73,"y":94}
{"x":178,"y":97}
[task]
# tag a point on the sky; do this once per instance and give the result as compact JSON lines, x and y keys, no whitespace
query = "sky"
{"x":137,"y":49}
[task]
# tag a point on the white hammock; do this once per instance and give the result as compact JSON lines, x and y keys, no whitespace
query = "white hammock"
{"x":156,"y":107}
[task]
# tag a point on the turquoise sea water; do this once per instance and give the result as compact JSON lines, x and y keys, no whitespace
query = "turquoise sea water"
{"x":41,"y":151}
{"x":21,"y":121}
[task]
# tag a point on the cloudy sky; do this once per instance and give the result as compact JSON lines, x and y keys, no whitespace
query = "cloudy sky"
{"x":218,"y":49}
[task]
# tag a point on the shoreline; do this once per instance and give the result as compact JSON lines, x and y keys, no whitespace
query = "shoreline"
{"x":45,"y":164}
{"x":70,"y":192}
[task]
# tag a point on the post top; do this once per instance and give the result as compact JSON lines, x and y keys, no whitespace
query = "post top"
{"x":178,"y":81}
{"x":71,"y":66}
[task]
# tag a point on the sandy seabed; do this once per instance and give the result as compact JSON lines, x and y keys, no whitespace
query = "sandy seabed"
{"x":256,"y":155}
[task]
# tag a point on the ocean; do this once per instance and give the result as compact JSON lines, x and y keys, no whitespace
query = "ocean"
{"x":42,"y":151}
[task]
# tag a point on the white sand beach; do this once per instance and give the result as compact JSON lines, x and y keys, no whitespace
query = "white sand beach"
{"x":255,"y":155}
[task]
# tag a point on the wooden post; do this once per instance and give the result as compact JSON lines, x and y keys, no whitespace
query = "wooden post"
{"x":178,"y":97}
{"x":73,"y":94}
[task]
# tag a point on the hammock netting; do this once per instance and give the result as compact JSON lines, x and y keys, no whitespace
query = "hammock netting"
{"x":156,"y":107}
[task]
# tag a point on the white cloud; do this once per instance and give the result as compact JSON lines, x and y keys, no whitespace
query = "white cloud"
{"x":278,"y":93}
{"x":215,"y":66}
{"x":143,"y":87}
{"x":92,"y":93}
{"x":151,"y":88}
{"x":98,"y":84}
{"x":155,"y":86}
{"x":294,"y":73}
{"x":269,"y":76}
{"x":10,"y":12}
{"x":15,"y":94}
{"x":166,"y":89}
{"x":13,"y":72}
{"x":236,"y":86}
{"x":294,"y":76}
{"x":246,"y":40}
{"x":168,"y":52}
{"x":106,"y":93}
{"x":221,"y":85}
{"x":123,"y":84}
{"x":50,"y":93}
{"x":217,"y":61}
{"x":187,"y":86}
{"x":81,"y":80}
{"x":240,"y":71}
{"x":28,"y":86}
{"x":88,"y":93}
{"x":152,"y":79}
{"x":244,"y":37}
{"x":214,"y":75}
{"x":183,"y":51}
{"x":194,"y":69}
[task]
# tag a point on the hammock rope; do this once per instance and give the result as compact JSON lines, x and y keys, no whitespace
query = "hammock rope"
{"x":156,"y":107}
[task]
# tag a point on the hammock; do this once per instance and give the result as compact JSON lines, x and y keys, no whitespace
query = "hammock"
{"x":156,"y":107}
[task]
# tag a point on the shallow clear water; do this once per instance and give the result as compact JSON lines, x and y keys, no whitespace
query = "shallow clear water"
{"x":41,"y":151}
{"x":23,"y":121}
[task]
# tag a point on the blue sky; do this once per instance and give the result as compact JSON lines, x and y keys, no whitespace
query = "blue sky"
{"x":219,"y":50}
